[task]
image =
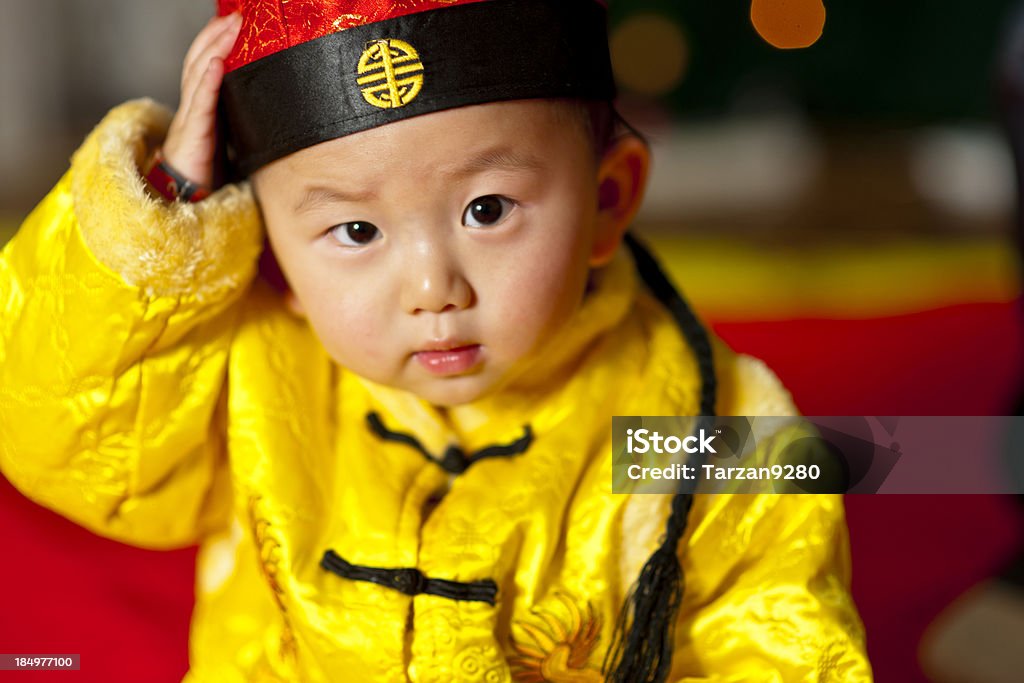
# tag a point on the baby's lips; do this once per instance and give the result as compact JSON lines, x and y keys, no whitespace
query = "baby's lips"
{"x":451,"y":361}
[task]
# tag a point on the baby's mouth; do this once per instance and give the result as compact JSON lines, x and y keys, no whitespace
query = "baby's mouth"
{"x":448,"y":359}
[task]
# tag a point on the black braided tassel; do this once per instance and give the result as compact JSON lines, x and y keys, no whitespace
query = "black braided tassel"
{"x":696,"y":336}
{"x":641,"y":649}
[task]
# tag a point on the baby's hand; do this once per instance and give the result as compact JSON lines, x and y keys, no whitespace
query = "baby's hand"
{"x":191,"y":139}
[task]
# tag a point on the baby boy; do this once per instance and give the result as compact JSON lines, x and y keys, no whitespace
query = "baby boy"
{"x":397,"y":456}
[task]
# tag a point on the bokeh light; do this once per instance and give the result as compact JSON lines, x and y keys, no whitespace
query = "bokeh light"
{"x":650,"y":54}
{"x":788,"y":24}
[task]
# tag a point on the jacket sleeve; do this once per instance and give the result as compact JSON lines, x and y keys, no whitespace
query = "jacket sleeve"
{"x":766,"y":577}
{"x":768,"y":593}
{"x":117,"y":315}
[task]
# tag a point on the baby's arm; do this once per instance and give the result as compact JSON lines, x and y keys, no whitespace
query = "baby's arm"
{"x":766,"y":577}
{"x":768,"y":593}
{"x":116,"y":313}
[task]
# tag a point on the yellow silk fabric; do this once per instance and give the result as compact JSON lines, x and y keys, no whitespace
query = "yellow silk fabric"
{"x":163,"y":417}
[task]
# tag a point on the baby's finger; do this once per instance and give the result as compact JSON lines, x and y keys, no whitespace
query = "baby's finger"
{"x":214,"y":31}
{"x":204,"y":101}
{"x":219,"y":47}
{"x":199,"y":43}
{"x":195,"y":158}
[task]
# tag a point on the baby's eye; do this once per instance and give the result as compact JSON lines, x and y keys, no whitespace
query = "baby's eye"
{"x":484,"y":212}
{"x":355,"y":234}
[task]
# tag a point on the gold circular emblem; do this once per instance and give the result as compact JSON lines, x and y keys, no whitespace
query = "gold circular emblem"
{"x":390,"y":73}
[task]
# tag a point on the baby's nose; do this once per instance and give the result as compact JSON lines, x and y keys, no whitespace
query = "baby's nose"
{"x":436,"y":285}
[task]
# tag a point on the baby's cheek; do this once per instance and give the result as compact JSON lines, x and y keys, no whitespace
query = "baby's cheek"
{"x":351,"y":333}
{"x":537,"y":306}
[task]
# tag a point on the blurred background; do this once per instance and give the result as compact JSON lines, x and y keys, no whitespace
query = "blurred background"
{"x":845,"y":211}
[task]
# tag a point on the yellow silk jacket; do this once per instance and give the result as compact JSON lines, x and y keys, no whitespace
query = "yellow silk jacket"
{"x":154,"y":391}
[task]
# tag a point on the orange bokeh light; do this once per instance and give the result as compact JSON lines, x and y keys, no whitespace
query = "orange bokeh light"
{"x":788,"y":24}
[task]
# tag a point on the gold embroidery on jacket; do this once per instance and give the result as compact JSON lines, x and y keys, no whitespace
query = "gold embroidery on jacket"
{"x":477,"y":663}
{"x":269,"y":550}
{"x":556,"y":647}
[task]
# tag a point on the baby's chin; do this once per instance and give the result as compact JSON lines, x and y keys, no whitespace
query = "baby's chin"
{"x":451,"y":392}
{"x":483,"y":380}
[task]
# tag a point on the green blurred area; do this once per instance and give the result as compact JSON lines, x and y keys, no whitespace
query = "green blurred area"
{"x":881,"y":60}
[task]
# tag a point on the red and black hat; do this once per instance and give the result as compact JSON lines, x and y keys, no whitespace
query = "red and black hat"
{"x":308,"y":71}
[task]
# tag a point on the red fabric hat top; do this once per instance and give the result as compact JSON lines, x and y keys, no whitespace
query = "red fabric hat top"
{"x":270,"y":26}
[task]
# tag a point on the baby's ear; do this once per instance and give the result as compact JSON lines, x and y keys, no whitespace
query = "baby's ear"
{"x":622,"y":179}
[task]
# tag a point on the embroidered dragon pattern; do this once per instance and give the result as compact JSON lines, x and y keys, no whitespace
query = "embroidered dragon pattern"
{"x":555,"y":646}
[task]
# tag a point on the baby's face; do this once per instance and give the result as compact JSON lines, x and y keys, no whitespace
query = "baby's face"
{"x":437,"y":253}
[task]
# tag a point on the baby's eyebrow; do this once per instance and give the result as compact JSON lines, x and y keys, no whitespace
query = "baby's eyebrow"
{"x":497,"y":159}
{"x":318,"y":195}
